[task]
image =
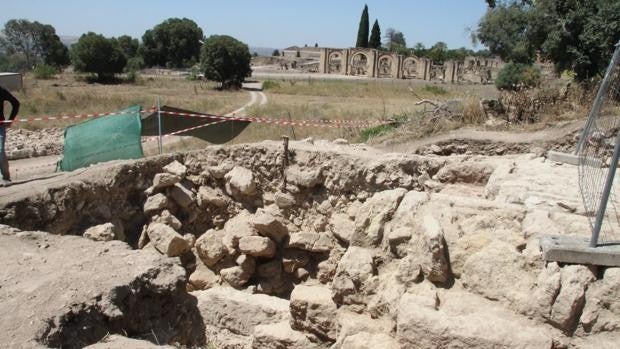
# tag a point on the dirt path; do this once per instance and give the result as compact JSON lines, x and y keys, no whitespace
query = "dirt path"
{"x":546,"y":135}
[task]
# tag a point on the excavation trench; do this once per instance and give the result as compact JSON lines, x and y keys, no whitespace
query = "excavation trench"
{"x":233,"y":245}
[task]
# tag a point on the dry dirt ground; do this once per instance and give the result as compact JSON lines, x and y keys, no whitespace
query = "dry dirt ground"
{"x":330,"y":245}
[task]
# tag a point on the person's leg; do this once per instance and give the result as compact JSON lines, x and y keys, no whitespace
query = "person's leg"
{"x":4,"y":161}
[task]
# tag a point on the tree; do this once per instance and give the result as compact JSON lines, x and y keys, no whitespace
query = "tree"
{"x":316,"y":44}
{"x":226,"y":59}
{"x":419,"y":50}
{"x":275,"y":53}
{"x":577,"y":35}
{"x":506,"y":31}
{"x":35,"y":41}
{"x":394,"y":40}
{"x":362,"y":32}
{"x":93,"y":53}
{"x":375,"y":36}
{"x":438,"y":52}
{"x":52,"y":50}
{"x":173,"y":43}
{"x":128,"y":45}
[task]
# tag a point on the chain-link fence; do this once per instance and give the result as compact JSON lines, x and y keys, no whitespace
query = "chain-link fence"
{"x":598,"y":150}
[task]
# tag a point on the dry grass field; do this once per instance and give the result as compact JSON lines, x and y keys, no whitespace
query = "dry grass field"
{"x":359,"y":100}
{"x":67,"y":95}
{"x":297,"y":99}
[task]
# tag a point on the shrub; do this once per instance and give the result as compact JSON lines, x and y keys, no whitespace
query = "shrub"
{"x":269,"y":84}
{"x":436,"y":90}
{"x":44,"y":71}
{"x":517,"y":76}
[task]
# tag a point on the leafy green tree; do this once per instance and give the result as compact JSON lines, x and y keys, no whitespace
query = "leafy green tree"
{"x":37,"y":42}
{"x":173,"y":43}
{"x":226,"y":60}
{"x":395,"y":40}
{"x":507,"y":31}
{"x":438,"y":53}
{"x":577,"y":35}
{"x":362,"y":32}
{"x":375,"y":36}
{"x":93,"y":53}
{"x":419,"y":50}
{"x":275,"y":53}
{"x":459,"y":54}
{"x":128,"y":45}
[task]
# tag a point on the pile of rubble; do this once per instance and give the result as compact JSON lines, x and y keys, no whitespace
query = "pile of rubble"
{"x":23,"y":143}
{"x":351,"y":248}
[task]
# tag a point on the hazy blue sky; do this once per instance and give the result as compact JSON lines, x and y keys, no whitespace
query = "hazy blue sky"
{"x":269,"y":23}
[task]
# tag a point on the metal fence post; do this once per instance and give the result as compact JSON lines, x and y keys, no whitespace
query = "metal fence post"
{"x":159,"y":123}
{"x":600,"y":214}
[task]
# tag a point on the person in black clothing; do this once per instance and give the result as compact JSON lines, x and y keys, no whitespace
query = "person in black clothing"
{"x":4,"y":124}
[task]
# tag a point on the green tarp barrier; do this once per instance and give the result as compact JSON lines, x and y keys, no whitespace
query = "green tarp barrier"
{"x":114,"y":137}
{"x":217,"y":133}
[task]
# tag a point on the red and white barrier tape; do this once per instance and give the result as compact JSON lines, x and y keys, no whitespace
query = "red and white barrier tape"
{"x":68,"y":117}
{"x":311,"y":123}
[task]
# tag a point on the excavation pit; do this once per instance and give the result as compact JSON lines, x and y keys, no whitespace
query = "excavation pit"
{"x":326,"y":245}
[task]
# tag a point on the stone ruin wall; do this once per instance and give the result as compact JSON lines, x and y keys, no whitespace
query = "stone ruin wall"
{"x":380,"y":64}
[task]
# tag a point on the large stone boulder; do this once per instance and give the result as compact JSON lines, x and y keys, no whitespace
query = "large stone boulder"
{"x":176,"y":168}
{"x":311,"y":241}
{"x":210,"y":247}
{"x":103,"y":232}
{"x":602,"y":309}
{"x":365,"y":340}
{"x":203,"y":278}
{"x":312,"y":310}
{"x":155,"y":203}
{"x":240,"y":180}
{"x":352,"y":274}
{"x":571,"y":299}
{"x":166,"y":240}
{"x":372,"y":216}
{"x":257,"y":246}
{"x":164,"y":180}
{"x":239,"y":312}
{"x":183,"y":196}
{"x":307,"y":178}
{"x":212,"y":196}
{"x":464,"y":321}
{"x":267,"y":224}
{"x":280,"y":336}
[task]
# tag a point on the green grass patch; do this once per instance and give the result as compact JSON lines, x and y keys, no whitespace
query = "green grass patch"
{"x":436,"y":90}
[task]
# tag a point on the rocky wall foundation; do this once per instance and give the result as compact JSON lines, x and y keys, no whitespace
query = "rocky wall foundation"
{"x":339,"y":246}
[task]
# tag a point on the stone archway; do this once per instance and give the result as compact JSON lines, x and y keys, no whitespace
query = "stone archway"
{"x":410,"y":68}
{"x":385,"y":67}
{"x":334,"y":63}
{"x":359,"y":64}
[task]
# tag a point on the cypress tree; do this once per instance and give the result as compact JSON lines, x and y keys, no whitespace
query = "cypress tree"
{"x":362,"y":32}
{"x":375,"y":36}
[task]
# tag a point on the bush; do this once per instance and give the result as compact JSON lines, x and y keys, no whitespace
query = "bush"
{"x":134,"y":64}
{"x":269,"y":84}
{"x":226,"y":60}
{"x":436,"y":90}
{"x":44,"y":71}
{"x":517,"y":76}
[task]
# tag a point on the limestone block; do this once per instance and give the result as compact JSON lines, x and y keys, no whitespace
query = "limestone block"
{"x":102,"y":232}
{"x":241,"y":180}
{"x":312,"y":310}
{"x":181,"y":195}
{"x":176,"y":168}
{"x":166,"y":240}
{"x":372,"y":216}
{"x":311,"y":241}
{"x":238,"y":311}
{"x":280,"y":336}
{"x":352,"y":274}
{"x":210,"y":247}
{"x":164,"y":180}
{"x":257,"y":246}
{"x":155,"y":203}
